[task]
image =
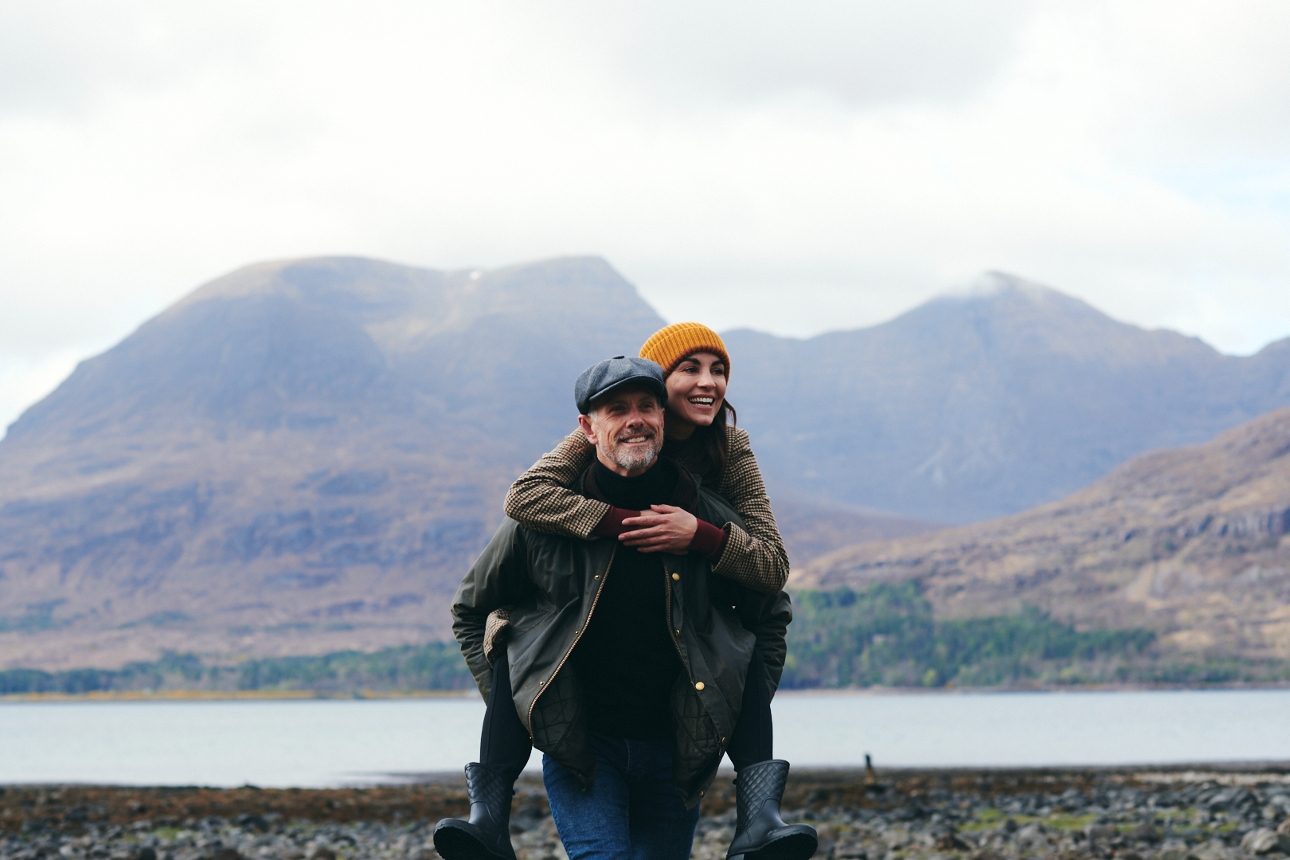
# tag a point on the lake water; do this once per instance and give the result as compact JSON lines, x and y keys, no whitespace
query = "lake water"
{"x":333,"y":742}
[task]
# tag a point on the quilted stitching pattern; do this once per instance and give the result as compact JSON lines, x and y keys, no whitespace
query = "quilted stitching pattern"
{"x":693,"y":723}
{"x":756,"y":784}
{"x":486,"y":787}
{"x":558,"y":711}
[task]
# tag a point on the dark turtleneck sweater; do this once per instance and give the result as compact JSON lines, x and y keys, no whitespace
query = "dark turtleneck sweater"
{"x":626,"y":660}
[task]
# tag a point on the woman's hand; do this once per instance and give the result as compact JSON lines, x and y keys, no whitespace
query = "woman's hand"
{"x":663,"y":528}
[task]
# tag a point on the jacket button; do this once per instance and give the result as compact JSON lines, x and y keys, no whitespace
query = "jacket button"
{"x":723,"y":740}
{"x":678,"y":631}
{"x":677,"y":577}
{"x":698,"y":686}
{"x":701,"y":793}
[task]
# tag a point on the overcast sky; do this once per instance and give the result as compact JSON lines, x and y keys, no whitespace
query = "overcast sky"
{"x":794,"y":167}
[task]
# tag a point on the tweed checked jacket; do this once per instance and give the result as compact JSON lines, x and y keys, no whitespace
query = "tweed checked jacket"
{"x":753,"y":556}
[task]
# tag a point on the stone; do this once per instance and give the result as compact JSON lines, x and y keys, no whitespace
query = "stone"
{"x":322,"y":852}
{"x":949,"y":842}
{"x":1265,"y":841}
{"x":1145,"y":832}
{"x":252,"y":821}
{"x":1101,"y":832}
{"x":1284,"y":827}
{"x":1213,"y":850}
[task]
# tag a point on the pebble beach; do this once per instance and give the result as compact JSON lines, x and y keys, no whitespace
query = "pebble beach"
{"x":1121,"y":813}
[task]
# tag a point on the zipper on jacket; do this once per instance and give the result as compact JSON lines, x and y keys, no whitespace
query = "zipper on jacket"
{"x":604,"y":577}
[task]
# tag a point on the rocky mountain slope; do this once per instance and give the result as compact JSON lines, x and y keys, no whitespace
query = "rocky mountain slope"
{"x":304,"y":456}
{"x":1191,"y":542}
{"x":299,"y":456}
{"x":987,"y":403}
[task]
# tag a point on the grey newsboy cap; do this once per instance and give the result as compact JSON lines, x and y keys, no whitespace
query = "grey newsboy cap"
{"x":614,"y":373}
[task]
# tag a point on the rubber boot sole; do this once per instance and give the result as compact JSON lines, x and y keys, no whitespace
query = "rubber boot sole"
{"x":793,"y":846}
{"x":454,"y":842}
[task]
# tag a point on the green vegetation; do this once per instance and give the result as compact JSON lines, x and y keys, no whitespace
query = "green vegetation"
{"x":435,"y":666}
{"x":883,"y":635}
{"x":886,"y":635}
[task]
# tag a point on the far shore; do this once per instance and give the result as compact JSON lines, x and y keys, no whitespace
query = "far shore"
{"x":361,"y":695}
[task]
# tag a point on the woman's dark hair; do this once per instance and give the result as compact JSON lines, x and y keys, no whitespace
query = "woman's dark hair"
{"x":714,"y":442}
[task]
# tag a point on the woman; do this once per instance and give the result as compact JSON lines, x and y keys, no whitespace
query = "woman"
{"x":700,"y":435}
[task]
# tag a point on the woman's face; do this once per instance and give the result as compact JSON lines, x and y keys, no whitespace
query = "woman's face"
{"x":696,"y":388}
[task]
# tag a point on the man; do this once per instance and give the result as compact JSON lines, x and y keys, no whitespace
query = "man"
{"x":626,"y":668}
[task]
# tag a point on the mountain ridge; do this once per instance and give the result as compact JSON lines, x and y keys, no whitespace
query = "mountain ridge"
{"x":304,"y":456}
{"x":1193,"y":543}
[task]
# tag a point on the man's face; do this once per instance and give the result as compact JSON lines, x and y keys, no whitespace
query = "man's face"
{"x":627,"y":429}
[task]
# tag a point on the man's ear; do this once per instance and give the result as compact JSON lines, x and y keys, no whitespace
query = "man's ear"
{"x":588,"y":429}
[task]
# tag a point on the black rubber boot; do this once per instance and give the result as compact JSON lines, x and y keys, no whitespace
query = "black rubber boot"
{"x":760,"y":834}
{"x":487,"y":835}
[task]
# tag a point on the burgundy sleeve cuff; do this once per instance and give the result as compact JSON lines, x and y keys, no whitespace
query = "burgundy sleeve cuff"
{"x":708,"y":541}
{"x":611,"y":524}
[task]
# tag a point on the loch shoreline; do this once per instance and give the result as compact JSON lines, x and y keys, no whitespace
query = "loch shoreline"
{"x":1201,"y":812}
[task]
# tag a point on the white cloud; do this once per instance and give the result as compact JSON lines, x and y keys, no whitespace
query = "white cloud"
{"x":792,"y":167}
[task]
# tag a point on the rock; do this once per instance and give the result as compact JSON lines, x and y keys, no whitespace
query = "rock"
{"x":1213,"y":850}
{"x":1145,"y":832}
{"x":1101,"y":832}
{"x":147,"y":852}
{"x":252,"y":821}
{"x":322,"y":852}
{"x":1175,"y":853}
{"x":1031,"y":834}
{"x":949,"y":842}
{"x":1265,"y":841}
{"x":1284,"y":828}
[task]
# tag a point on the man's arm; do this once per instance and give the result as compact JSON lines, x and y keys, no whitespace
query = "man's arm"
{"x":499,"y":577}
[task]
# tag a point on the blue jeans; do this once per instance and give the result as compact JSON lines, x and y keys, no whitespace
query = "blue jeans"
{"x":631,"y":812}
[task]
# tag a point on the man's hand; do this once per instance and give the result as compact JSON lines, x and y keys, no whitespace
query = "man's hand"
{"x":663,"y":528}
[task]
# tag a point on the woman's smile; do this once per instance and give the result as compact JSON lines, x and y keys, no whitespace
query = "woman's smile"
{"x":696,"y":390}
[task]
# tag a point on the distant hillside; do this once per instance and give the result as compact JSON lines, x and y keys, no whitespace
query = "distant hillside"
{"x":298,"y":457}
{"x":303,"y":457}
{"x":1191,"y":543}
{"x":984,"y":404}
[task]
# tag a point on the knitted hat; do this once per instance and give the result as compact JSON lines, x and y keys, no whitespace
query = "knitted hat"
{"x":670,"y":344}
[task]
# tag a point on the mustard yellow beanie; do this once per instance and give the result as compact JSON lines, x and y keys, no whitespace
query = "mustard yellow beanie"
{"x":670,"y":344}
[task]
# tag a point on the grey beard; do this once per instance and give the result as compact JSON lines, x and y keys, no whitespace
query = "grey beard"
{"x":632,"y":461}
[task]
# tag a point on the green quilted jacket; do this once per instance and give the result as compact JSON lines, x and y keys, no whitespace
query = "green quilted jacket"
{"x":552,"y":583}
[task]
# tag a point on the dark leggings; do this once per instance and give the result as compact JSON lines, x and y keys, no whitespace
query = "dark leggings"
{"x":504,"y":744}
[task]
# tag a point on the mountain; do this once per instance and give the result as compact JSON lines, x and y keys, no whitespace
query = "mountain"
{"x":304,"y":456}
{"x":986,"y":403}
{"x":1192,"y":543}
{"x":299,"y":456}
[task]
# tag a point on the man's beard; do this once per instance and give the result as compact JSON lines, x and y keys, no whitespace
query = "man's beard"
{"x":635,"y":458}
